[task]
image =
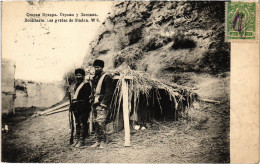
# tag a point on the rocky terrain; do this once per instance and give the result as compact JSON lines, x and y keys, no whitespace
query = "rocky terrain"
{"x":163,"y":37}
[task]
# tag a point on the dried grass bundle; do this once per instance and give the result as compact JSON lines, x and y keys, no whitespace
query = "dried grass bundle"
{"x":141,"y":83}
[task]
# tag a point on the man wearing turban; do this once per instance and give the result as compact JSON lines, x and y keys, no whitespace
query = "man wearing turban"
{"x":81,"y":106}
{"x":102,"y":86}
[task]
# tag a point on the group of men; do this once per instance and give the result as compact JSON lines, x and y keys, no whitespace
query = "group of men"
{"x":95,"y":94}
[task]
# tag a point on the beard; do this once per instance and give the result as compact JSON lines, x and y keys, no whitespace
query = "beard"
{"x":79,"y":80}
{"x":98,"y":72}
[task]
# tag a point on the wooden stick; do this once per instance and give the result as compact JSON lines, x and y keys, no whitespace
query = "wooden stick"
{"x":125,"y":77}
{"x":91,"y":121}
{"x":210,"y":101}
{"x":54,"y":108}
{"x":57,"y":111}
{"x":126,"y":112}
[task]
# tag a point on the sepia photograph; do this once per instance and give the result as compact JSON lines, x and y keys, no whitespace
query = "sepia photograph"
{"x":121,"y":81}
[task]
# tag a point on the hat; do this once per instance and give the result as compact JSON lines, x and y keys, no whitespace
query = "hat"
{"x":99,"y":63}
{"x":80,"y":70}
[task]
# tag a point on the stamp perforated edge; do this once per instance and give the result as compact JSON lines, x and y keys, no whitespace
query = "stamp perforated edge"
{"x":256,"y":40}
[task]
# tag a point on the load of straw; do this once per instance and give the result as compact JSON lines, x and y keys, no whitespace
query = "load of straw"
{"x":141,"y":83}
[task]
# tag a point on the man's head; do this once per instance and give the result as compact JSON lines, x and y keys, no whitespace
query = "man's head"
{"x":98,"y":65}
{"x":80,"y":74}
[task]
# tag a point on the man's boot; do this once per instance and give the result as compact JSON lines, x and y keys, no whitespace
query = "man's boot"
{"x":77,"y":139}
{"x":80,"y":144}
{"x":81,"y":136}
{"x":75,"y":143}
{"x":81,"y":141}
{"x":77,"y":135}
{"x":96,"y":144}
{"x":97,"y":136}
{"x":102,"y":145}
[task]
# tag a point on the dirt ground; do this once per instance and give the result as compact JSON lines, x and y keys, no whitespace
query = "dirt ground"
{"x":202,"y":137}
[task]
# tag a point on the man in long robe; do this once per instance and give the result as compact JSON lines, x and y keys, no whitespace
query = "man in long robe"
{"x":81,"y":107}
{"x":102,"y":86}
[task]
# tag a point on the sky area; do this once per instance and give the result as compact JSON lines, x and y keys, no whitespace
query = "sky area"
{"x":47,"y":39}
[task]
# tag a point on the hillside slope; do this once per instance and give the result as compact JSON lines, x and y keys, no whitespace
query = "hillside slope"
{"x":163,"y":37}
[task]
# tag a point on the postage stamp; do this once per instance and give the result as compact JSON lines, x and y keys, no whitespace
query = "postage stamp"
{"x":241,"y":21}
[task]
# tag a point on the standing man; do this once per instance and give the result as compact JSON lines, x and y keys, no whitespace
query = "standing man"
{"x":103,"y":91}
{"x":81,"y":106}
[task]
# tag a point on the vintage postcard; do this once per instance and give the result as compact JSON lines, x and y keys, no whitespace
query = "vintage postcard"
{"x":130,"y":82}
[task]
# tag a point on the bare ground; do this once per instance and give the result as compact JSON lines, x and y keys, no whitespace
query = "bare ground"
{"x":202,"y":137}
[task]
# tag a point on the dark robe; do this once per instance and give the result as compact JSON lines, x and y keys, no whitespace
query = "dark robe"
{"x":81,"y":109}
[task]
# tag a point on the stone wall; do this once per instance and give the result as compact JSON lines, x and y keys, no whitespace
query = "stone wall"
{"x":30,"y":94}
{"x":7,"y":86}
